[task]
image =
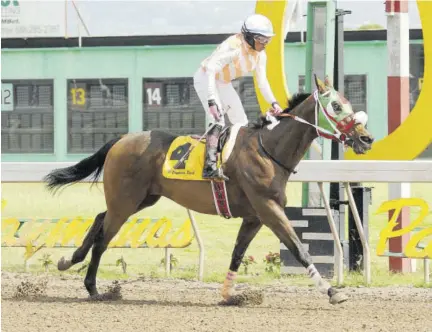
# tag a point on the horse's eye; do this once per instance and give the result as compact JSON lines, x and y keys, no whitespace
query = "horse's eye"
{"x":336,"y":107}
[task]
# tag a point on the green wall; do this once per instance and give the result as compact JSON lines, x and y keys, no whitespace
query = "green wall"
{"x":134,"y":63}
{"x":370,"y":58}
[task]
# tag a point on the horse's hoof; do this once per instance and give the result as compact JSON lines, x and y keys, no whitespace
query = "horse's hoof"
{"x":63,"y":264}
{"x":227,"y":293}
{"x":96,"y":297}
{"x":109,"y":296}
{"x":248,"y":297}
{"x":338,"y":298}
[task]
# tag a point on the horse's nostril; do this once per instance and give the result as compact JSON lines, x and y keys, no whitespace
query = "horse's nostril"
{"x":366,"y":139}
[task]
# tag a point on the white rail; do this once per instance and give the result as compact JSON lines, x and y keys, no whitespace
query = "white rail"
{"x":309,"y":171}
{"x":339,"y":253}
{"x":344,"y":171}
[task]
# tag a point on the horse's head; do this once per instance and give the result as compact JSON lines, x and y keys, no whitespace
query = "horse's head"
{"x":337,"y":115}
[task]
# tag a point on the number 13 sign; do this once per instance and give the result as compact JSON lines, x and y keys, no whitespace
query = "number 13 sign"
{"x":7,"y":97}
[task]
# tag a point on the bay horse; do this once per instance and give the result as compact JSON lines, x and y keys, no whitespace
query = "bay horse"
{"x":264,"y":156}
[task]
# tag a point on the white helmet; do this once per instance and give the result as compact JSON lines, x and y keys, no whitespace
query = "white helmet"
{"x":257,"y":25}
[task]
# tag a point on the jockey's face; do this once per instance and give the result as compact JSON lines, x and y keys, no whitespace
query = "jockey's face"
{"x":261,"y":42}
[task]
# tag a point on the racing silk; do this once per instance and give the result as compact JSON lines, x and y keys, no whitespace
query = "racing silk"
{"x":233,"y":58}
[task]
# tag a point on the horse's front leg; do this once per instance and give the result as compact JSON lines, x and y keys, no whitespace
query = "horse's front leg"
{"x":248,"y":229}
{"x":273,"y":216}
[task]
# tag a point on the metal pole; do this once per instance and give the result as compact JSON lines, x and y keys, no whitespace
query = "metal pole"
{"x":339,"y":256}
{"x":308,"y":81}
{"x":336,"y":188}
{"x":364,"y":241}
{"x":200,"y":245}
{"x":398,"y":109}
{"x":81,"y":19}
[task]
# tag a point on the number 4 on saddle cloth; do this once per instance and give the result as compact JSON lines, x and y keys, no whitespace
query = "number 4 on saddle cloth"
{"x":191,"y":168}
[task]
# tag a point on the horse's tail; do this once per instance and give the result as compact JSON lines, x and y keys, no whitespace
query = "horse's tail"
{"x":86,"y":167}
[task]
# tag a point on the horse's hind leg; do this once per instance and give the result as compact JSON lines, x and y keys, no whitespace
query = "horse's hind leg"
{"x":111,"y":225}
{"x":247,"y":232}
{"x":81,"y":252}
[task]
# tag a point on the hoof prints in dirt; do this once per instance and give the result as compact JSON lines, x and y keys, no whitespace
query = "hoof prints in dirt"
{"x":113,"y":293}
{"x":29,"y":289}
{"x":245,"y":298}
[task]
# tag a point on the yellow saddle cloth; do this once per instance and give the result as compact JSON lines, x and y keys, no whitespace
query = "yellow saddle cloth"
{"x":191,"y":167}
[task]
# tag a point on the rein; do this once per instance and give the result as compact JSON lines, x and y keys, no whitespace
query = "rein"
{"x":271,"y":157}
{"x":345,"y":125}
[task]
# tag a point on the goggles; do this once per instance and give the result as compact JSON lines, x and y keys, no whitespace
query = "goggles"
{"x":262,"y":39}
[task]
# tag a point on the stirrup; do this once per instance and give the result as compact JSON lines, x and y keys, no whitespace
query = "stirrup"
{"x":216,"y":174}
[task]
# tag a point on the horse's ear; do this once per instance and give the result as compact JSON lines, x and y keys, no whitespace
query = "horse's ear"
{"x":328,"y":82}
{"x":319,"y":84}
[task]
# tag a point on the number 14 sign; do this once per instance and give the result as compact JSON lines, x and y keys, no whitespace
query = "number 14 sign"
{"x":153,"y":93}
{"x":7,"y":97}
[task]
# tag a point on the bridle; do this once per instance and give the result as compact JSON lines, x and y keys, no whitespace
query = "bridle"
{"x":342,"y":129}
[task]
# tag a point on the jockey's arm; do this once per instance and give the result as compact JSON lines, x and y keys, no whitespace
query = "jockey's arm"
{"x":215,"y":64}
{"x":263,"y":83}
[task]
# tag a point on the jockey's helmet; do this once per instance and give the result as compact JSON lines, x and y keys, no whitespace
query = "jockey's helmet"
{"x":257,"y":27}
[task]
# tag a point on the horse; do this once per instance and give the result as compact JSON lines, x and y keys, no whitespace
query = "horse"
{"x":264,"y":155}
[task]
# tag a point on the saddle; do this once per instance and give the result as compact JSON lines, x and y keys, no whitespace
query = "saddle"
{"x":221,"y":140}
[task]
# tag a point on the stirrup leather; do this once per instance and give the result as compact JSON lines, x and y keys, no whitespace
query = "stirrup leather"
{"x":210,"y":170}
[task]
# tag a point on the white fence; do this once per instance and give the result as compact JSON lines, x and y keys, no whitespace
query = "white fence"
{"x":309,"y":171}
{"x":344,"y":171}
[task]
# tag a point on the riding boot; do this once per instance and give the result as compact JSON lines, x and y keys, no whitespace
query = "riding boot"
{"x":211,"y":171}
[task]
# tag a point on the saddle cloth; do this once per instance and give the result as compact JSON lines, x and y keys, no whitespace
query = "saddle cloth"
{"x":191,"y":167}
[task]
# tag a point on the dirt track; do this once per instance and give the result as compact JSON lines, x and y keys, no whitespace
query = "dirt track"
{"x":177,"y":305}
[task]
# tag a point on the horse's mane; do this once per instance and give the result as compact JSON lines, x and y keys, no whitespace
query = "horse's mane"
{"x":295,"y":100}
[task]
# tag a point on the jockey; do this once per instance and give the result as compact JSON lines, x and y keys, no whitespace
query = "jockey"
{"x":234,"y":57}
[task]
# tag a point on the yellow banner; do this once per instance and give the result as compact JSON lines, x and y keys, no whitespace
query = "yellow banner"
{"x":135,"y":233}
{"x":410,"y":250}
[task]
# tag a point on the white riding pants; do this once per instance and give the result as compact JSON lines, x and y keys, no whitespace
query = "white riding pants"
{"x":227,"y":99}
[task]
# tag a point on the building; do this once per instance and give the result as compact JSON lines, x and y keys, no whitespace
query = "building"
{"x":61,"y":102}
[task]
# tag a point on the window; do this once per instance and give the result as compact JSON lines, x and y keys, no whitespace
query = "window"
{"x":172,"y":105}
{"x":97,"y":112}
{"x":355,"y":91}
{"x":301,"y":84}
{"x":27,"y":116}
{"x":246,"y":90}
